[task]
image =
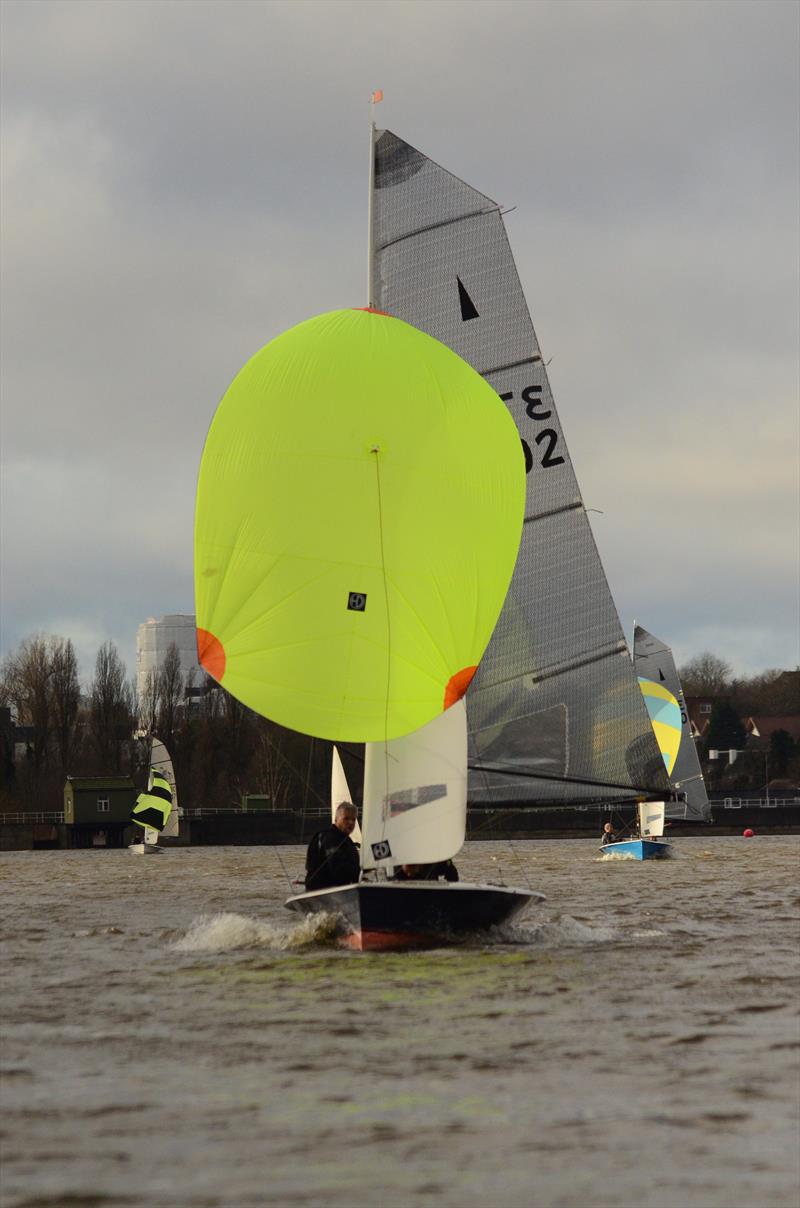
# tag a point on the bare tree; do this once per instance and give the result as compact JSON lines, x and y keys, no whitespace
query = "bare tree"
{"x":237,"y":733}
{"x":170,"y":693}
{"x":26,"y":679}
{"x":65,"y":693}
{"x":148,"y":701}
{"x":272,"y":769}
{"x":110,"y":708}
{"x":705,"y":675}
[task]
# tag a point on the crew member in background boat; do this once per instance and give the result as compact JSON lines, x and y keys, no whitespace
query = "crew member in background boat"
{"x":427,"y":872}
{"x":332,"y":856}
{"x":608,"y":834}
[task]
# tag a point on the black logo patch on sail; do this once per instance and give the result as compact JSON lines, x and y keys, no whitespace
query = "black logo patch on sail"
{"x":468,"y":308}
{"x":357,"y":601}
{"x":382,"y":850}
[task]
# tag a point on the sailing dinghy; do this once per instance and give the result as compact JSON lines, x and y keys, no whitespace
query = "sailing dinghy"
{"x":156,"y":810}
{"x":649,"y":844}
{"x":554,"y":714}
{"x":364,"y":620}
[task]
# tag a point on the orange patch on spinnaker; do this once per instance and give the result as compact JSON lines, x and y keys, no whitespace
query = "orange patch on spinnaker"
{"x":458,"y":685}
{"x":370,"y":310}
{"x":211,"y":654}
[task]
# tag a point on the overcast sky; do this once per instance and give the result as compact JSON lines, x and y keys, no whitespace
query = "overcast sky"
{"x":182,"y":181}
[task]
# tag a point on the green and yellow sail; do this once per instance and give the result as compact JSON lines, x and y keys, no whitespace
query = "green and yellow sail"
{"x":153,"y":807}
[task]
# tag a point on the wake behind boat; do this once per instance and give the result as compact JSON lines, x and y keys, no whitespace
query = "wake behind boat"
{"x":407,"y":914}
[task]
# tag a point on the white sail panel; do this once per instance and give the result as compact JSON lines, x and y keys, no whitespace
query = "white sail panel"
{"x":160,"y":761}
{"x":653,"y":661}
{"x":340,"y":792}
{"x":651,"y":819}
{"x":415,"y":794}
{"x":554,"y":711}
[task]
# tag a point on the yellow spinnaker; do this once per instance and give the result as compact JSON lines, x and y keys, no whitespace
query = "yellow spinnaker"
{"x":359,"y":511}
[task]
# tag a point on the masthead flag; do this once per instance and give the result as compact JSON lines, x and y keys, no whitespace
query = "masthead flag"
{"x":377,"y":96}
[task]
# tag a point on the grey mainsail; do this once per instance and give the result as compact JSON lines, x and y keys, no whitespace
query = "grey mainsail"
{"x":555,"y":714}
{"x":652,"y":660}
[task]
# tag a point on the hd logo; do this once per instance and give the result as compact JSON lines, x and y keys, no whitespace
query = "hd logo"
{"x":382,"y":850}
{"x":357,"y":601}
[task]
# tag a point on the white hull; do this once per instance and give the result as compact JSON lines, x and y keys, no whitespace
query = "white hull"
{"x":144,"y":849}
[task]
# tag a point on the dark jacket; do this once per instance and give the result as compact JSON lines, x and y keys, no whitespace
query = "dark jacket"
{"x":331,"y":859}
{"x":608,"y":837}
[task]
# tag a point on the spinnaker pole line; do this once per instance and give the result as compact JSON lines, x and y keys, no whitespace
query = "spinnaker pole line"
{"x":284,"y":870}
{"x":640,"y":791}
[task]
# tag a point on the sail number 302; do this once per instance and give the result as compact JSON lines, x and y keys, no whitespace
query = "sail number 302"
{"x":546,"y":439}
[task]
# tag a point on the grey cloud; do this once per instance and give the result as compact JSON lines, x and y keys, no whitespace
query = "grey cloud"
{"x":183,"y":181}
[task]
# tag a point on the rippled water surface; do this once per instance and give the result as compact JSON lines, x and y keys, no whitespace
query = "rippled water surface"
{"x":173,"y":1036}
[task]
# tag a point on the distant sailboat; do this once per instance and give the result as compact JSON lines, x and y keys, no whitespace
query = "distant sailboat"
{"x":649,"y":843}
{"x":156,"y":810}
{"x":663,"y":694}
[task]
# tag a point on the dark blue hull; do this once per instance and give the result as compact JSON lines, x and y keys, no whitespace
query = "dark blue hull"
{"x":406,"y":914}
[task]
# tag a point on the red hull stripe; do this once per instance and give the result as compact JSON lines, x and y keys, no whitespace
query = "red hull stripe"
{"x":375,"y":941}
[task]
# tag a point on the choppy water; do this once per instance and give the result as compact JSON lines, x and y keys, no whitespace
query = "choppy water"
{"x":172,"y":1036}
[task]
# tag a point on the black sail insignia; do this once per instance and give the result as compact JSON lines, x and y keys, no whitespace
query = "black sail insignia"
{"x":554,"y":711}
{"x":468,"y":308}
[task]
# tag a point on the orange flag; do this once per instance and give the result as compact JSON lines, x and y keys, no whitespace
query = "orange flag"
{"x":377,"y":96}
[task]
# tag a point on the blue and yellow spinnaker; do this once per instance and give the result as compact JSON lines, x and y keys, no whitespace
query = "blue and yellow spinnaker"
{"x":665,"y":718}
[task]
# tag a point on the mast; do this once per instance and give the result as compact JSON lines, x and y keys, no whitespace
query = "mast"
{"x":375,"y":98}
{"x":370,"y":241}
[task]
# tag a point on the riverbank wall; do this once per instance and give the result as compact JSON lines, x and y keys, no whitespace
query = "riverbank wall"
{"x":234,"y":828}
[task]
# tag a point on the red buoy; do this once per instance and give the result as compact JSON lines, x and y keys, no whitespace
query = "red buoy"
{"x":748,"y":833}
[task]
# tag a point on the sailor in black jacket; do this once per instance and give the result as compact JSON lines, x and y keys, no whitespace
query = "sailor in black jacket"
{"x":332,"y":856}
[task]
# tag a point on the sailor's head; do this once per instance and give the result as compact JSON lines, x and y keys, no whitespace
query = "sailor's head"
{"x":345,"y":818}
{"x":608,"y":827}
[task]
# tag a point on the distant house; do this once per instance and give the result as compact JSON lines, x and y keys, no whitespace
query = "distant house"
{"x":92,"y":800}
{"x":760,"y":729}
{"x":699,"y":709}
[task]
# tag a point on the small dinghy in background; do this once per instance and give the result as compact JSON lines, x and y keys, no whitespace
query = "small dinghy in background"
{"x":649,"y":845}
{"x":156,"y":810}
